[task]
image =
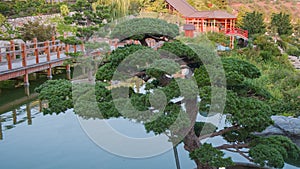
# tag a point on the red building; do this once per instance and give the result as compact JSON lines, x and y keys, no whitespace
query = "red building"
{"x":206,"y":21}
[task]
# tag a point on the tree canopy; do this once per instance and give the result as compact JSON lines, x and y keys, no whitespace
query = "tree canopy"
{"x":254,"y":23}
{"x":143,"y":28}
{"x":281,"y":22}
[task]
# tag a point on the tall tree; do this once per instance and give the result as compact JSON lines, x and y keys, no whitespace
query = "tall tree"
{"x":87,"y":18}
{"x":240,"y":17}
{"x":254,"y":23}
{"x":282,"y":23}
{"x":161,"y":114}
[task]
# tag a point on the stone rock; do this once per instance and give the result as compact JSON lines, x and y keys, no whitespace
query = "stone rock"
{"x":283,"y":125}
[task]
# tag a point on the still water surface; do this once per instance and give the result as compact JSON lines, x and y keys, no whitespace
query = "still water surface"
{"x":32,"y":140}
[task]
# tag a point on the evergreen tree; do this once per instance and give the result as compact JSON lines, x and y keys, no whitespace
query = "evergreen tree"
{"x":245,"y":104}
{"x":254,"y":23}
{"x":282,"y":23}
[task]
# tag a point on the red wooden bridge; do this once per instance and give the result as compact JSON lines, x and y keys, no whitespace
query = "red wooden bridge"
{"x":237,"y":32}
{"x":22,"y":59}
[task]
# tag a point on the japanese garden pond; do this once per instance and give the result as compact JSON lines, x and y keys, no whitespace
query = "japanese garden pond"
{"x":33,"y":140}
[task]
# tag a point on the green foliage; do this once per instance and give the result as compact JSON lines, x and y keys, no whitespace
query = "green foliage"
{"x":142,"y":28}
{"x":200,"y":129}
{"x":252,"y":114}
{"x":273,"y":151}
{"x":254,"y":23}
{"x":37,"y":30}
{"x":2,"y":19}
{"x":265,"y":155}
{"x":218,"y":38}
{"x":235,"y":70}
{"x":106,"y":71}
{"x":71,"y":40}
{"x":268,"y":49}
{"x":64,"y":10}
{"x":163,"y":121}
{"x":284,"y":145}
{"x":210,"y":156}
{"x":88,"y":18}
{"x":179,"y":49}
{"x":58,"y":94}
{"x":293,"y":50}
{"x":282,"y":23}
{"x":154,"y":6}
{"x":17,"y":8}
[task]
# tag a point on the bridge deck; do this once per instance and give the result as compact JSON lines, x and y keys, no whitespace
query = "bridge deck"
{"x":17,"y":64}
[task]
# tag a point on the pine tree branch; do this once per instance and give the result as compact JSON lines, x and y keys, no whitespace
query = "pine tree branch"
{"x":235,"y":127}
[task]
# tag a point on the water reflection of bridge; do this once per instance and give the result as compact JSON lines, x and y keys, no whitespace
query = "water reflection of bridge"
{"x":15,"y":116}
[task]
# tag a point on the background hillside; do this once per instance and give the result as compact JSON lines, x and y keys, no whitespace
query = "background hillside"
{"x":267,"y":7}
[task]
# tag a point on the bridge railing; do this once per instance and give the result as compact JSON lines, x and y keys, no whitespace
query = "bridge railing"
{"x":31,"y":50}
{"x":237,"y":31}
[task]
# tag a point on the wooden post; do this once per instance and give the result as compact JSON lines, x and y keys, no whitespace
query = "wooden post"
{"x":225,"y":25}
{"x":28,"y":111}
{"x":13,"y":49}
{"x":202,"y":25}
{"x":68,"y":71}
{"x":231,"y":42}
{"x":233,"y":25}
{"x":67,"y":48}
{"x":26,"y":79}
{"x":49,"y":73}
{"x":60,"y":46}
{"x":8,"y":58}
{"x":27,"y":91}
{"x":214,"y":25}
{"x":36,"y":50}
{"x":47,"y":50}
{"x":75,"y":48}
{"x":57,"y":53}
{"x":24,"y":55}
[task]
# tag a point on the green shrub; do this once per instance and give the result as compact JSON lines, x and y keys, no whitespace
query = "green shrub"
{"x":292,"y":50}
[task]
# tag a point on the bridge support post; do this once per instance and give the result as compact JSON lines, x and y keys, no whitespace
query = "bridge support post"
{"x":49,"y":73}
{"x":27,"y":91}
{"x":26,"y":84}
{"x":231,"y":42}
{"x":28,"y":111}
{"x":26,"y":79}
{"x":68,"y":71}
